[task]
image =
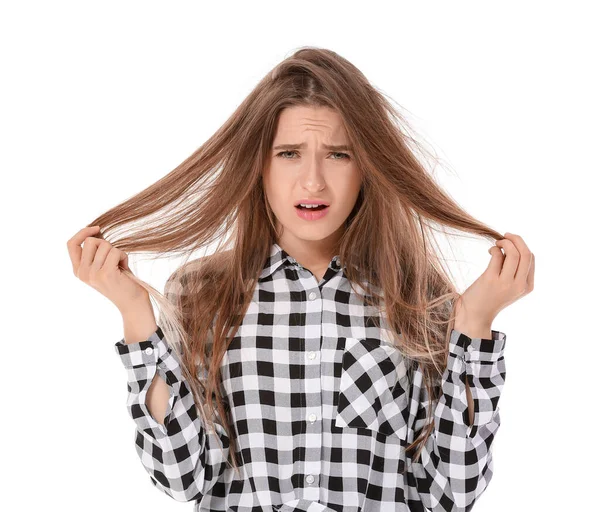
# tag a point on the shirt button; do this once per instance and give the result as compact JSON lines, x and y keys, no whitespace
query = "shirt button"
{"x":312,"y":418}
{"x":310,"y":479}
{"x":312,"y":355}
{"x":312,"y":295}
{"x":149,"y":350}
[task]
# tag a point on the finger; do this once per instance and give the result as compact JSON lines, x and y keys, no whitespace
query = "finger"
{"x":525,"y":256}
{"x":517,"y":240}
{"x":74,"y":245}
{"x":90,"y":245}
{"x":531,"y":273}
{"x":495,"y":264}
{"x":114,"y":257}
{"x":511,"y":258}
{"x":125,"y":261}
{"x":101,"y":253}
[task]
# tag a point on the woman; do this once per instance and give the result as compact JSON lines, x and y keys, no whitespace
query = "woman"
{"x":323,"y":360}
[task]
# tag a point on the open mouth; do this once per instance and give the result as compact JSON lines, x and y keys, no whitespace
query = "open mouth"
{"x":312,"y":208}
{"x":312,"y":212}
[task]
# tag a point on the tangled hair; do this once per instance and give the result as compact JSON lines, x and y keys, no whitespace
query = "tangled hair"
{"x":218,"y":192}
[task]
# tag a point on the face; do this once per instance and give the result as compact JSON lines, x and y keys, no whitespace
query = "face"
{"x":301,"y":166}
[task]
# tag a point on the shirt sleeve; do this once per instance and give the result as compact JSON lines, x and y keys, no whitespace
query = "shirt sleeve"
{"x":183,"y":459}
{"x":456,"y":465}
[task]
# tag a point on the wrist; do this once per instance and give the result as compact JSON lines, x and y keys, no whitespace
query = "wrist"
{"x":138,"y":322}
{"x":141,"y":306}
{"x":474,"y":329}
{"x":473,"y":324}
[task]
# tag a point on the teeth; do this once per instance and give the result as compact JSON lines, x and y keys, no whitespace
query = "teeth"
{"x":310,"y":205}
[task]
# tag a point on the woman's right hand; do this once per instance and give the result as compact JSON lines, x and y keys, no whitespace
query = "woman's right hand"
{"x":97,"y":264}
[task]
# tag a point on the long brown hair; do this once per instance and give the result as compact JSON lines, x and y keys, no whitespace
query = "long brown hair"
{"x":217,"y":192}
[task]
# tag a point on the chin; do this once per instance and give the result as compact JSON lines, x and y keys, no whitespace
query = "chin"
{"x":313,"y":233}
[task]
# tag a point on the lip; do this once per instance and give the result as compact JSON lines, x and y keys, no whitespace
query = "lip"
{"x":309,"y":215}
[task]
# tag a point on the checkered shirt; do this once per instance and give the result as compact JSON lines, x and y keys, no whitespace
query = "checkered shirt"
{"x":323,"y":406}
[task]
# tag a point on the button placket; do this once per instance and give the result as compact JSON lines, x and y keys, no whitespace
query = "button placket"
{"x":314,"y":438}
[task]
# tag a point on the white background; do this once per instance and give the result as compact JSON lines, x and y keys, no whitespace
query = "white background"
{"x":101,"y":99}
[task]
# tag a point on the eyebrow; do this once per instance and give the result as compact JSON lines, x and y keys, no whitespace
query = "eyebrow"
{"x":288,"y":147}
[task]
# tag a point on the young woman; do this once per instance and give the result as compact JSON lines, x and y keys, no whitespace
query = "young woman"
{"x":322,"y":360}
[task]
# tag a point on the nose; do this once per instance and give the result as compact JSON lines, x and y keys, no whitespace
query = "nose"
{"x":312,"y":174}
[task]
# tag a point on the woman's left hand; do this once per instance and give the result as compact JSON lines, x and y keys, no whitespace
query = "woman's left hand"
{"x":508,"y":277}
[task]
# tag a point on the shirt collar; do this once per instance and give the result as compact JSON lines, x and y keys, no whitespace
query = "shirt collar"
{"x":279,"y":257}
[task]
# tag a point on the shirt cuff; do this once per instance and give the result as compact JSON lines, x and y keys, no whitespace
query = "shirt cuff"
{"x":150,"y":351}
{"x":143,"y":360}
{"x":477,"y":349}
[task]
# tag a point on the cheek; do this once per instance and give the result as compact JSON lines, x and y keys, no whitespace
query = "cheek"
{"x":278,"y":185}
{"x":276,"y":192}
{"x":351,"y":192}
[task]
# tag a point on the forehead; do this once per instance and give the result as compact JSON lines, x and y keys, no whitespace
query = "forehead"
{"x":295,"y":120}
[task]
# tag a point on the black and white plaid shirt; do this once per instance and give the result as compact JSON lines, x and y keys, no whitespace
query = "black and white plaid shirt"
{"x":323,"y":406}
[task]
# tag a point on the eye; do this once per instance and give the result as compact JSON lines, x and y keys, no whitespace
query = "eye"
{"x":284,"y":152}
{"x":281,"y":153}
{"x":338,"y":153}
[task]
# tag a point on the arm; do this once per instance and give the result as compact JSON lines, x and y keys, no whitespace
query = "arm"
{"x":472,"y":331}
{"x":138,"y":324}
{"x":182,"y":458}
{"x":456,"y":465}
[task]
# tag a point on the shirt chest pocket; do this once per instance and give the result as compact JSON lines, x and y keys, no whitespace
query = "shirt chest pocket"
{"x":373,"y":388}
